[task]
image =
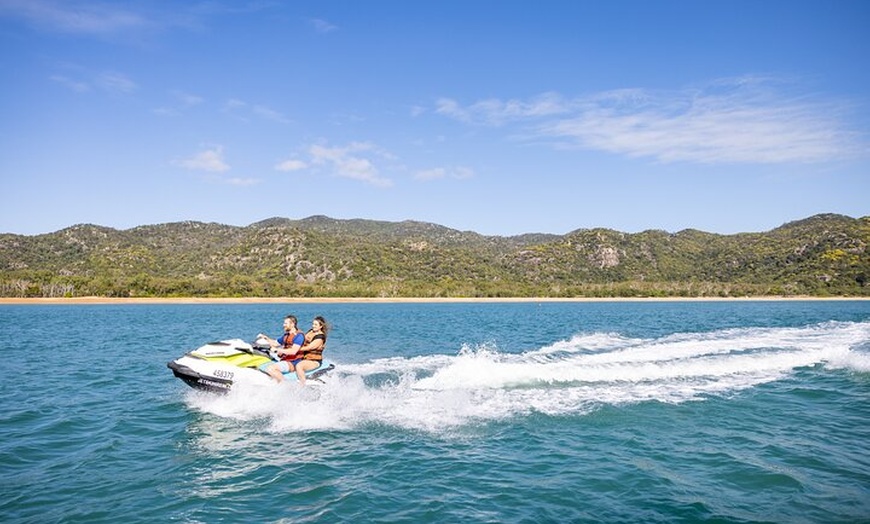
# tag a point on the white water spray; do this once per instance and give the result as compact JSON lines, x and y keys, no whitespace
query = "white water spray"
{"x":573,"y":376}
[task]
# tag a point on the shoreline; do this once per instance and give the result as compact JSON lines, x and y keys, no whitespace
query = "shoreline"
{"x":397,"y":300}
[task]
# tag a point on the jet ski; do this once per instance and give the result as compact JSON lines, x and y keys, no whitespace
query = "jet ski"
{"x":217,"y":366}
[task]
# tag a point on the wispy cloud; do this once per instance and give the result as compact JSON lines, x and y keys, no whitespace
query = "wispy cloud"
{"x":362,"y":161}
{"x":116,"y":83}
{"x":123,"y":21}
{"x":210,"y":160}
{"x":746,"y":120}
{"x":97,"y":18}
{"x":108,"y":82}
{"x":269,"y":114}
{"x":322,"y":26}
{"x":245,"y":111}
{"x":498,"y":112}
{"x":181,"y":101}
{"x":74,"y":85}
{"x":357,"y":161}
{"x":291,"y":165}
{"x":242,"y":182}
{"x":187,"y":99}
{"x":459,"y":173}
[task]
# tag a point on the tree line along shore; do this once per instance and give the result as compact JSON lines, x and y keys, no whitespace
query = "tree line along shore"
{"x":323,"y":258}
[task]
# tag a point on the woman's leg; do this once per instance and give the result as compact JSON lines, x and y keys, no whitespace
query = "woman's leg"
{"x":303,"y":366}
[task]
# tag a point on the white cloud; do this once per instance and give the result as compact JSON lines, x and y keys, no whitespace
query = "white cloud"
{"x":244,"y":111}
{"x":463,"y":172}
{"x":210,"y":160}
{"x":109,"y":82}
{"x":322,"y":26}
{"x":270,"y":114}
{"x":291,"y":165}
{"x":243,"y":182}
{"x":125,"y":21}
{"x":431,"y":174}
{"x":742,"y":120}
{"x":187,"y":99}
{"x":493,"y":111}
{"x":437,"y":173}
{"x":183,"y":100}
{"x":116,"y":83}
{"x":451,"y":108}
{"x":75,"y":85}
{"x":355,"y":161}
{"x":74,"y":17}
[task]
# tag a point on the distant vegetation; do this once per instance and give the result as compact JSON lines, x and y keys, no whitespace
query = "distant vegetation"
{"x":824,"y":255}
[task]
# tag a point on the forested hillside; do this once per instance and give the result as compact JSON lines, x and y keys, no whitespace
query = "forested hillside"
{"x":824,"y":255}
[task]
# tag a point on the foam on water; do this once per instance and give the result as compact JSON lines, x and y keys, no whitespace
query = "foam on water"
{"x":569,"y":377}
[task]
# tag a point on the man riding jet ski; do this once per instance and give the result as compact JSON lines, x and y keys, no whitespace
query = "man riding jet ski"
{"x":217,"y":366}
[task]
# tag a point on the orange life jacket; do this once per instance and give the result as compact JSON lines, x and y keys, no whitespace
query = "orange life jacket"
{"x":315,"y":354}
{"x":288,"y":343}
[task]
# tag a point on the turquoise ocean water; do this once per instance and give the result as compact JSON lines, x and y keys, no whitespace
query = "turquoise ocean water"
{"x":445,"y":412}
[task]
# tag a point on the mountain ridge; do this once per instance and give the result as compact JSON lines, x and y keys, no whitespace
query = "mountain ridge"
{"x":825,"y":254}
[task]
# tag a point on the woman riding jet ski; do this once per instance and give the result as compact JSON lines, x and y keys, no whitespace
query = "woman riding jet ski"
{"x":217,"y":366}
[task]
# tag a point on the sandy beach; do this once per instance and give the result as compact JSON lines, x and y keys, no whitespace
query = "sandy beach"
{"x":322,"y":300}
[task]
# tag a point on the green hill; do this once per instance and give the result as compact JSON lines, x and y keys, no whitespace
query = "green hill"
{"x":824,"y":255}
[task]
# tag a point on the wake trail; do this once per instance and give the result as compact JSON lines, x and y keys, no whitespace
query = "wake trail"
{"x":574,"y":376}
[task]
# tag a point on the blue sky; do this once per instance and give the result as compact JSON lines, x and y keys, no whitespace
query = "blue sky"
{"x":500,"y":117}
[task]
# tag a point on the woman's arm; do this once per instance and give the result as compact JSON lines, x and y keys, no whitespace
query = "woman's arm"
{"x":317,"y":343}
